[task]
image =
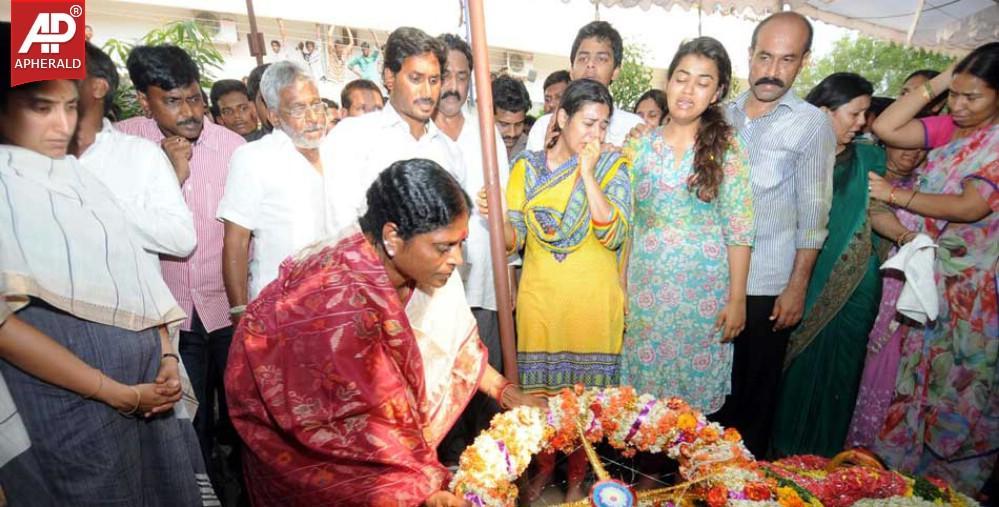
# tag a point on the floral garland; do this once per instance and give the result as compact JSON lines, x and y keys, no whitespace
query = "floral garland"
{"x":718,"y":468}
{"x":628,"y":421}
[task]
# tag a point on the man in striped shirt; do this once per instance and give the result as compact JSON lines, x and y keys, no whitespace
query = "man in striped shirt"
{"x":791,"y":149}
{"x":167,"y":82}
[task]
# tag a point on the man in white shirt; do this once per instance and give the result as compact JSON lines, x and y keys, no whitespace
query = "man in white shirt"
{"x":136,"y":170}
{"x":360,"y":148}
{"x":477,"y":271}
{"x":596,"y":54}
{"x":274,"y":191}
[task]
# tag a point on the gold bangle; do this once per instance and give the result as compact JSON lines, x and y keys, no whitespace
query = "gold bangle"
{"x":138,"y":401}
{"x":100,"y":385}
{"x":499,"y":397}
{"x":901,"y":237}
{"x":891,"y":197}
{"x":928,"y":90}
{"x":914,"y":192}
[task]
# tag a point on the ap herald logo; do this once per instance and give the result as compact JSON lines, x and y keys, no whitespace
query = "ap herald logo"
{"x":47,"y":40}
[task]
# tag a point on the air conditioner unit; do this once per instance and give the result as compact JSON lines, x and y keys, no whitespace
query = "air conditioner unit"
{"x":222,"y":31}
{"x":520,"y":65}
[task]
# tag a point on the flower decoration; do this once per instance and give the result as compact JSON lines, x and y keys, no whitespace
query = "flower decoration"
{"x":718,"y":469}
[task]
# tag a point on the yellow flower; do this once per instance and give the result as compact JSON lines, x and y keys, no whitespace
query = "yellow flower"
{"x":686,"y":422}
{"x":788,"y":497}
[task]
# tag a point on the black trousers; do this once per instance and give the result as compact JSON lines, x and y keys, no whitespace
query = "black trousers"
{"x":756,"y":372}
{"x":205,"y":355}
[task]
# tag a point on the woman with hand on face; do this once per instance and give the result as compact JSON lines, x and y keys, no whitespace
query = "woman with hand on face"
{"x":570,"y":213}
{"x":692,"y":236}
{"x":826,"y":352}
{"x":943,"y":419}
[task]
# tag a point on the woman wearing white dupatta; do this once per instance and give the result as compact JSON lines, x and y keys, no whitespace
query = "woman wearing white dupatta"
{"x":88,"y":378}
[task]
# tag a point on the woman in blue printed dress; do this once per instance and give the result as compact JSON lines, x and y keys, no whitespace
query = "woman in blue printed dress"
{"x":693,"y":231}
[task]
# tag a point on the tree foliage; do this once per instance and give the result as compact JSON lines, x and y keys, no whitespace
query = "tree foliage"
{"x":187,"y":35}
{"x":885,"y":64}
{"x":634,"y":78}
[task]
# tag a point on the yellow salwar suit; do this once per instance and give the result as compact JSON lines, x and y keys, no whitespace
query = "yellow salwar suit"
{"x":570,"y":304}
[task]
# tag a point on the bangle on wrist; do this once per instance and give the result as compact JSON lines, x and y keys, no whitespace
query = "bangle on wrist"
{"x":237,"y":310}
{"x":100,"y":385}
{"x":913,"y":196}
{"x":900,"y":240}
{"x":928,"y":91}
{"x":138,"y":401}
{"x":169,"y":355}
{"x":891,"y":196}
{"x":499,"y":396}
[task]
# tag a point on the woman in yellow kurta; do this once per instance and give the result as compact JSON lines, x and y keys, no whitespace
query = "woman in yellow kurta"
{"x":569,"y":209}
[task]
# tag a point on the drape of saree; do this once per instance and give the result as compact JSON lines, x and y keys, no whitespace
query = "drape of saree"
{"x":826,"y":352}
{"x":341,"y":391}
{"x":570,"y":305}
{"x":944,"y":417}
{"x":884,"y":343}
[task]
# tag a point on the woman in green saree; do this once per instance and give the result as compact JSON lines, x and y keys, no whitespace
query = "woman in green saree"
{"x":825,"y":356}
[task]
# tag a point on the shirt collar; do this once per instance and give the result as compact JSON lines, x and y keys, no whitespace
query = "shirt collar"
{"x":107,"y":130}
{"x":392,"y":118}
{"x":789,"y":100}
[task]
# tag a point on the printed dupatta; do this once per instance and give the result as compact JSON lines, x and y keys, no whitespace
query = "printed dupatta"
{"x":552,"y":205}
{"x":340,"y":392}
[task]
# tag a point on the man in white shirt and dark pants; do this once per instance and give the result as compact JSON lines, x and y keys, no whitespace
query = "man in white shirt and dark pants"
{"x":274,"y":191}
{"x":477,"y":272}
{"x":360,"y":148}
{"x":136,"y":170}
{"x":596,"y":54}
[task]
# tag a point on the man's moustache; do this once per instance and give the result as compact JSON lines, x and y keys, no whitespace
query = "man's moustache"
{"x":450,"y":94}
{"x":769,"y":80}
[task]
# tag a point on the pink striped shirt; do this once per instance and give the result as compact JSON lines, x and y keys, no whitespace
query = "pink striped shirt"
{"x":196,"y":280}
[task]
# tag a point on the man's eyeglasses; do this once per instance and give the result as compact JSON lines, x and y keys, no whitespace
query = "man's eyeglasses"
{"x":299,"y":112}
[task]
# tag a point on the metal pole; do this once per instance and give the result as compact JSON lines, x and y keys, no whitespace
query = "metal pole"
{"x":494,"y":196}
{"x":254,"y":34}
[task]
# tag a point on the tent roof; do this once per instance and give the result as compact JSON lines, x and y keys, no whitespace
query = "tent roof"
{"x":947,"y":25}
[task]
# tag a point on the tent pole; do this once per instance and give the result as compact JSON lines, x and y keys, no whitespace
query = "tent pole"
{"x":494,"y":194}
{"x":257,"y":40}
{"x":915,"y":21}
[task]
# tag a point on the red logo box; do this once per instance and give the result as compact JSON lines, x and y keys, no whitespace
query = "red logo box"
{"x":47,"y":40}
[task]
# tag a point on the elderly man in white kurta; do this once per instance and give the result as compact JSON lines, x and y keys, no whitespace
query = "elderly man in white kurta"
{"x":274,"y":191}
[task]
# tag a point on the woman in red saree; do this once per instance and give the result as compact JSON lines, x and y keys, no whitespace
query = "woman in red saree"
{"x":347,"y":371}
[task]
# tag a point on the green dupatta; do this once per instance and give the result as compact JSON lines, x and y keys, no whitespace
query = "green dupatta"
{"x":843,"y":260}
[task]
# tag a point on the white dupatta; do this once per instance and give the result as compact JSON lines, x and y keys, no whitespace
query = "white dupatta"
{"x":65,"y":240}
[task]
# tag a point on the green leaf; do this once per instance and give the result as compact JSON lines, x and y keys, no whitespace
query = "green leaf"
{"x":884,"y":64}
{"x":634,"y":78}
{"x":187,"y":35}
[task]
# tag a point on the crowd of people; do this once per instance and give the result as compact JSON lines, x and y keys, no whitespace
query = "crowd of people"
{"x":269,"y":298}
